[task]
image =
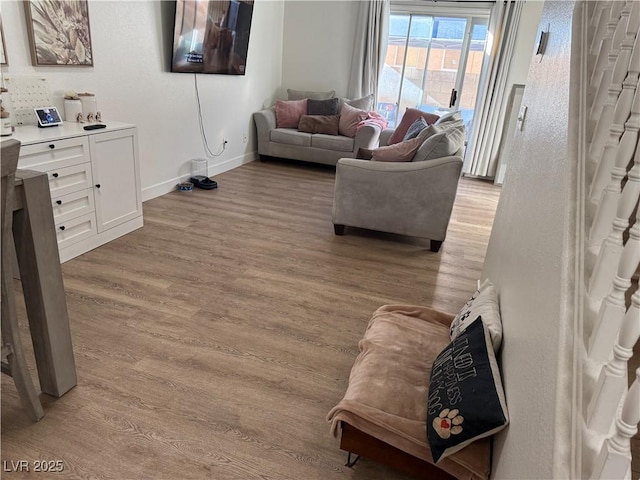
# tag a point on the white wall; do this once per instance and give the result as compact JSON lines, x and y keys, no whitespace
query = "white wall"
{"x":318,"y":40}
{"x":132,"y":84}
{"x":527,"y":261}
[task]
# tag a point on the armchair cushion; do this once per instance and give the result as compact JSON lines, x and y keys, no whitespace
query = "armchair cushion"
{"x":440,"y":142}
{"x":415,"y":128}
{"x":398,"y":152}
{"x":410,"y":116}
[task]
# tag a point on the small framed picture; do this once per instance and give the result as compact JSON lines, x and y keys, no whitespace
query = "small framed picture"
{"x":3,"y":49}
{"x":59,"y":32}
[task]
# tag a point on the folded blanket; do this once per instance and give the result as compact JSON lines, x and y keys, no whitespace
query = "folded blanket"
{"x":374,"y":119}
{"x":388,"y":385}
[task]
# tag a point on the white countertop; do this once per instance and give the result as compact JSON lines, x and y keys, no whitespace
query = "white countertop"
{"x":28,"y":134}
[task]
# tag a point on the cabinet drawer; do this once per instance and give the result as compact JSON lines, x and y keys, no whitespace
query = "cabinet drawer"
{"x":76,"y":229}
{"x":70,"y":179}
{"x":48,"y":156}
{"x":73,"y":205}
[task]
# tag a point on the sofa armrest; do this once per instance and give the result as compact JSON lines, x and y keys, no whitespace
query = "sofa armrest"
{"x":385,"y":135}
{"x":366,"y":137}
{"x":265,"y":121}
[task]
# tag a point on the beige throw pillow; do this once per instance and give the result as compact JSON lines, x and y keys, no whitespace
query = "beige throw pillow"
{"x":302,"y":94}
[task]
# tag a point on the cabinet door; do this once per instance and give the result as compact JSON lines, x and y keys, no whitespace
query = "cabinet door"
{"x":116,"y":177}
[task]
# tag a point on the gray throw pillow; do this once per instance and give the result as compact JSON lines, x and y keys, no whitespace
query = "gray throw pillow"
{"x":415,"y":128}
{"x":439,"y":142}
{"x":322,"y":107}
{"x":302,"y":94}
{"x":449,"y":117}
{"x":364,"y":103}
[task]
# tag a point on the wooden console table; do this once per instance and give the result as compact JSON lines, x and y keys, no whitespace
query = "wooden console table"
{"x":39,"y":264}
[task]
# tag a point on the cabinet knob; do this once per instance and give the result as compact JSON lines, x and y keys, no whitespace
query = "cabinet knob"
{"x":61,"y":227}
{"x":52,"y":146}
{"x":54,"y":175}
{"x":59,"y":202}
{"x":97,"y":185}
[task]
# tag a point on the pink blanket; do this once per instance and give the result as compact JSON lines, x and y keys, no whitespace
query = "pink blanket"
{"x":374,"y":119}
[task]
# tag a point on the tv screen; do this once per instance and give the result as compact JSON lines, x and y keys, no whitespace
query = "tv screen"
{"x":211,"y":36}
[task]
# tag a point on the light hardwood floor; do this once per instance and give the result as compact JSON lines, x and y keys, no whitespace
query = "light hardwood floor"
{"x":212,"y":342}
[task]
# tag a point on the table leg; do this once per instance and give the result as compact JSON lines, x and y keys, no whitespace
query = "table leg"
{"x":42,"y":284}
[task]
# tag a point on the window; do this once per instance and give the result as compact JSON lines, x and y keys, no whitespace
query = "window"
{"x":433,"y":63}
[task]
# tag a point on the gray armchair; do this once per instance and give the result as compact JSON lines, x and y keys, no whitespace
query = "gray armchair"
{"x":409,"y":198}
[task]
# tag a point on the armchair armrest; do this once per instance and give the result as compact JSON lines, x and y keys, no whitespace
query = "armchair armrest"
{"x":366,"y":137}
{"x":385,"y":135}
{"x":408,"y":198}
{"x":265,"y":121}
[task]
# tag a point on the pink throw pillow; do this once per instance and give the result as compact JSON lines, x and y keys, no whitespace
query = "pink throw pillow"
{"x":288,"y":112}
{"x":399,"y":152}
{"x":410,"y":116}
{"x":350,"y":117}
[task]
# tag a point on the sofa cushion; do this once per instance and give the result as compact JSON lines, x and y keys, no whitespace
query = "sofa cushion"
{"x":350,"y":117}
{"x":398,"y":152}
{"x":303,"y":94}
{"x":331,"y":142}
{"x":408,"y":118}
{"x":290,"y":137}
{"x":482,"y":304}
{"x":466,"y":400}
{"x":288,"y":113}
{"x":440,"y":142}
{"x":327,"y":124}
{"x":322,"y":107}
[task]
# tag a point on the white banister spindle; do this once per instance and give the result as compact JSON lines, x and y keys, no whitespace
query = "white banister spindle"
{"x":614,"y":460}
{"x":612,"y":382}
{"x":622,"y":106}
{"x":597,"y":28}
{"x":612,"y":309}
{"x":628,"y":105}
{"x":609,"y":17}
{"x":611,"y":248}
{"x":602,"y":222}
{"x":602,"y":93}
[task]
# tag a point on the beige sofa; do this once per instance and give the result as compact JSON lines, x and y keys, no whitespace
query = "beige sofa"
{"x":408,"y":198}
{"x":318,"y":148}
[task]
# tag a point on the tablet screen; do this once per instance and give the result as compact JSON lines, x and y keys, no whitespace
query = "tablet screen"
{"x":48,"y":116}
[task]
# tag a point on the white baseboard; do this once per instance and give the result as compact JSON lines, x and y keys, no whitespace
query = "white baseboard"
{"x":170,"y":185}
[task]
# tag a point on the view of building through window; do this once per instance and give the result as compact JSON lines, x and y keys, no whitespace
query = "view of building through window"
{"x":428,"y":59}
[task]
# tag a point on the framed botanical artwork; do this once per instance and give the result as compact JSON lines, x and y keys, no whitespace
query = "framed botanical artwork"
{"x":59,"y":32}
{"x":3,"y":49}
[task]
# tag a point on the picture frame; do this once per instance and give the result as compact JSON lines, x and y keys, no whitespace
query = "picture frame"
{"x":3,"y":49}
{"x":59,"y":32}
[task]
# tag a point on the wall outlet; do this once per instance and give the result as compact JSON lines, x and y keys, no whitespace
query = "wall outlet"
{"x":244,"y":137}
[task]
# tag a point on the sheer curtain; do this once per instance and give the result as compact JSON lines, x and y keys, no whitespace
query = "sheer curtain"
{"x":369,"y":48}
{"x":485,"y":141}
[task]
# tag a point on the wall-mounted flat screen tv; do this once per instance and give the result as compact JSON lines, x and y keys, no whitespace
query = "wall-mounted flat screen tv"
{"x":211,"y":36}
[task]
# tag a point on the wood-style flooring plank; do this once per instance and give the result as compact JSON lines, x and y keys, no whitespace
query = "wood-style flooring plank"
{"x":212,"y":342}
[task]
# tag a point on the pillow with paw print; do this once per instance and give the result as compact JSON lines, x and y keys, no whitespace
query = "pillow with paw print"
{"x":466,"y":400}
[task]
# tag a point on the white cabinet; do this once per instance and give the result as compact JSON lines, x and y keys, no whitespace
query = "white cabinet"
{"x":94,"y":179}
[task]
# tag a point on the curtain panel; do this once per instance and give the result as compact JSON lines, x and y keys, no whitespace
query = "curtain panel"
{"x":485,"y":141}
{"x":370,"y":48}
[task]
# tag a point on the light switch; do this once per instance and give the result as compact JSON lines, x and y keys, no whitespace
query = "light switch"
{"x":521,"y":116}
